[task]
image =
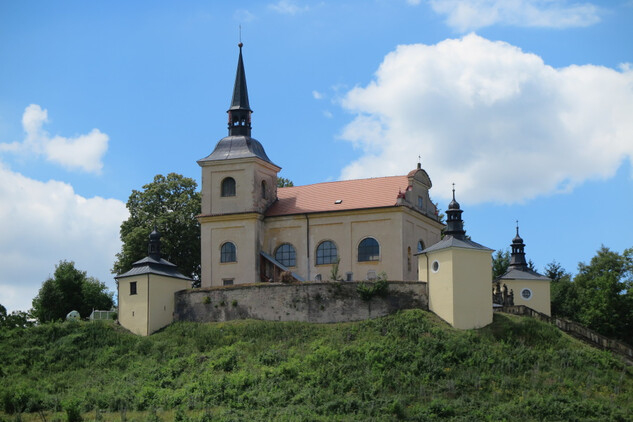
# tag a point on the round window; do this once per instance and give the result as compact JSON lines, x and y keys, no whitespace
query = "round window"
{"x":435,"y":266}
{"x":526,"y":294}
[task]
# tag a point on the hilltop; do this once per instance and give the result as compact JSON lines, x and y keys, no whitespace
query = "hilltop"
{"x":409,"y":366}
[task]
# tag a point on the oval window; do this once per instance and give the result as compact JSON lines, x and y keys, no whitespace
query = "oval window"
{"x":526,"y":294}
{"x":435,"y":266}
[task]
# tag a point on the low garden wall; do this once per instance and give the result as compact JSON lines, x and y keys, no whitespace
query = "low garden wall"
{"x":323,"y":302}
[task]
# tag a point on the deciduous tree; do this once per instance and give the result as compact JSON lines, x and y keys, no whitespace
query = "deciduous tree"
{"x":70,"y":289}
{"x":604,"y":289}
{"x":282,"y":182}
{"x":16,"y":319}
{"x":562,"y":291}
{"x":170,"y":203}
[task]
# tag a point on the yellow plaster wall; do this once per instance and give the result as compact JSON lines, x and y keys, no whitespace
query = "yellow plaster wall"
{"x":244,"y":231}
{"x":540,"y":300}
{"x":133,"y":309}
{"x":347,"y":230}
{"x":440,"y":283}
{"x":472,"y":296}
{"x":459,"y":292}
{"x":293,"y":230}
{"x":161,"y":300}
{"x":248,"y":174}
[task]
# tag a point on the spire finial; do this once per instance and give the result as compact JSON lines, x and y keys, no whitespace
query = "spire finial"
{"x":419,"y":162}
{"x":240,"y":43}
{"x":453,"y":191}
{"x":517,"y":221}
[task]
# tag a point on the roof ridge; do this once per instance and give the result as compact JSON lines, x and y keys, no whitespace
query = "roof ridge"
{"x":344,"y":181}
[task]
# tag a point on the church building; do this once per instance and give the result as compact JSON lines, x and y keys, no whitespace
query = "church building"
{"x":252,"y":231}
{"x":353,"y":230}
{"x":526,"y":286}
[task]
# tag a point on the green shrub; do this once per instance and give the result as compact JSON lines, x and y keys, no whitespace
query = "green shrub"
{"x":367,"y":290}
{"x":72,"y":408}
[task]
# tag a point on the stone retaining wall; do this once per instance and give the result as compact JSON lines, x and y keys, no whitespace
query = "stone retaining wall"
{"x":324,"y":302}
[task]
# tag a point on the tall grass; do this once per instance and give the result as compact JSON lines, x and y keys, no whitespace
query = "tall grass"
{"x":405,"y":366}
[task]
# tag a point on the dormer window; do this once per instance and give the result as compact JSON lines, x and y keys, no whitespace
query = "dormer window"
{"x":264,"y":194}
{"x":420,"y":202}
{"x":228,"y":187}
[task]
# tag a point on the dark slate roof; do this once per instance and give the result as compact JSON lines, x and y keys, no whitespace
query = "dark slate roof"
{"x":150,"y":265}
{"x":240,"y":146}
{"x":520,"y":274}
{"x":240,"y":92}
{"x":452,"y":242}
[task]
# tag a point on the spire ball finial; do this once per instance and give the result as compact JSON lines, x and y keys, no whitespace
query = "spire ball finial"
{"x":240,"y":45}
{"x":517,"y":221}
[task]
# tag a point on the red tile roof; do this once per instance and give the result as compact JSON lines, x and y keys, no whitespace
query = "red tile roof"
{"x":354,"y":194}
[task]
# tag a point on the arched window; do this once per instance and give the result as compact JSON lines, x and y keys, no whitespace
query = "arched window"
{"x":227,"y":252}
{"x":326,"y":253}
{"x":368,"y":250}
{"x":264,"y":194}
{"x":420,"y":245}
{"x":228,"y":187}
{"x":286,"y":255}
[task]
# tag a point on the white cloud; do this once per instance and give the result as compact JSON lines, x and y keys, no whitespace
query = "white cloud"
{"x":244,"y":15}
{"x":317,"y":95}
{"x":468,"y":15}
{"x":83,"y":152}
{"x":288,"y":7}
{"x":45,"y":222}
{"x":500,"y":123}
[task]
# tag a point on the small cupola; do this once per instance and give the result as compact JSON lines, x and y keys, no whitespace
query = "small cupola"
{"x":154,"y":245}
{"x":517,"y":257}
{"x":454,"y":222}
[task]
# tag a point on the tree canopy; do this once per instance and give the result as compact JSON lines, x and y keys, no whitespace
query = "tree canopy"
{"x":282,"y":182}
{"x":500,"y":263}
{"x":601,"y":294}
{"x":70,"y":289}
{"x":16,"y":319}
{"x":170,"y":203}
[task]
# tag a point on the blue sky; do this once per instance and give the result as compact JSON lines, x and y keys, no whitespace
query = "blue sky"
{"x":526,"y":105}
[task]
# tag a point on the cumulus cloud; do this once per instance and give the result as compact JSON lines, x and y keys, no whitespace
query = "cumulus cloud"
{"x":499,"y":122}
{"x":45,"y":222}
{"x":288,"y":7}
{"x":317,"y":95}
{"x":83,"y":152}
{"x":468,"y":15}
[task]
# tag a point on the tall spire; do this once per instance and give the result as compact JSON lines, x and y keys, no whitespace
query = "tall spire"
{"x":517,"y":257}
{"x":240,"y":110}
{"x":454,"y":222}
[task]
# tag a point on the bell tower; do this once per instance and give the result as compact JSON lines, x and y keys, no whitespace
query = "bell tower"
{"x":239,"y":183}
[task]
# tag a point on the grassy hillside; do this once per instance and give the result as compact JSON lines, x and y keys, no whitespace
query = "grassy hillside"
{"x":408,"y":366}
